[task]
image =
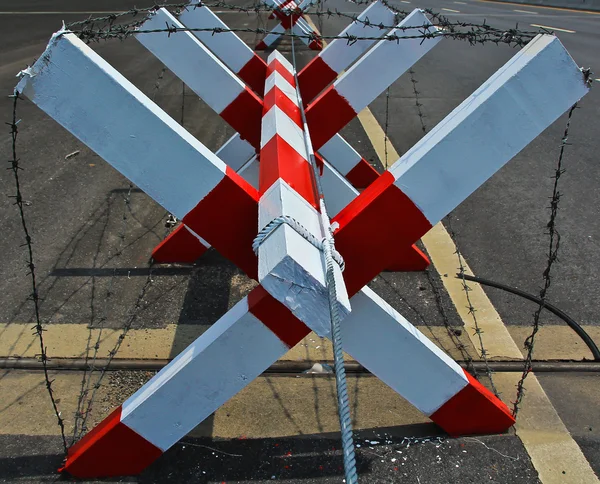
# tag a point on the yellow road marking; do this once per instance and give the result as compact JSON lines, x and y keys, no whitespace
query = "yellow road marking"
{"x":553,"y":28}
{"x":554,"y":453}
{"x":17,"y":341}
{"x":560,"y":9}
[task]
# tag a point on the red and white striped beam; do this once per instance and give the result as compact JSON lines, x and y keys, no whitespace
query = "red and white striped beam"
{"x":99,"y":106}
{"x":291,"y":18}
{"x":368,"y":78}
{"x":339,"y":54}
{"x":290,"y":268}
{"x":242,"y":344}
{"x":227,"y":46}
{"x":489,"y":128}
{"x":474,"y":141}
{"x":255,"y":333}
{"x":204,"y":73}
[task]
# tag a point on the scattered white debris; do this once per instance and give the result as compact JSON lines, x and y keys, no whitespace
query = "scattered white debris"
{"x":72,"y":155}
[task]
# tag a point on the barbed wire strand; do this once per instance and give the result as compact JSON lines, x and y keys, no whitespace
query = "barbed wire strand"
{"x":473,"y":33}
{"x":84,"y":409}
{"x":472,"y":310}
{"x":553,"y":246}
{"x":39,"y":330}
{"x":460,"y":346}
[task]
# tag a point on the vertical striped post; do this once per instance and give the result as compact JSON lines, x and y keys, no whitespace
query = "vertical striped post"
{"x":237,"y":56}
{"x":290,"y":268}
{"x":455,"y":158}
{"x":227,"y":46}
{"x":220,"y":88}
{"x":358,"y":86}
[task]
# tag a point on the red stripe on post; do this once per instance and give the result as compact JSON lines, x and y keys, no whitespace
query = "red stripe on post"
{"x":110,"y":449}
{"x":227,"y":218}
{"x":244,"y":114}
{"x":276,"y":97}
{"x":275,"y":65}
{"x":411,"y":259}
{"x":254,"y":74}
{"x":279,"y":160}
{"x":362,"y":175}
{"x":326,"y":115}
{"x":473,"y":410}
{"x":369,"y":213}
{"x":179,"y":246}
{"x":315,"y":77}
{"x":276,"y":317}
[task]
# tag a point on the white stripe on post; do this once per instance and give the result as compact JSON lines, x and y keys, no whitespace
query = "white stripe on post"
{"x":418,"y":370}
{"x":236,"y":152}
{"x":290,"y":268}
{"x":204,"y":73}
{"x":368,"y":78}
{"x":384,"y":342}
{"x":490,"y":127}
{"x":225,"y":359}
{"x":339,"y":55}
{"x":92,"y":100}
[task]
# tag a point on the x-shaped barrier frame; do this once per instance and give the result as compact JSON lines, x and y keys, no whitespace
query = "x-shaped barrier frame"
{"x":89,"y":98}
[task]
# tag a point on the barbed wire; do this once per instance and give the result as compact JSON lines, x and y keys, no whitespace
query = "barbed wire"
{"x":553,"y":246}
{"x":471,"y":309}
{"x":452,"y":334}
{"x":84,"y":409}
{"x":15,"y":167}
{"x":105,"y":27}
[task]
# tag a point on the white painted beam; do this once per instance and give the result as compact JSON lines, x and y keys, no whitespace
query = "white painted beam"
{"x":92,"y":100}
{"x":490,"y":127}
{"x":203,"y":72}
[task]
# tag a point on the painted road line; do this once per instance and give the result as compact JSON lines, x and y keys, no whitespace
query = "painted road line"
{"x":270,"y":400}
{"x":450,"y":10}
{"x":525,"y":11}
{"x":560,"y":9}
{"x":553,"y":452}
{"x":553,"y":28}
{"x":404,"y":1}
{"x":460,"y":3}
{"x":17,"y":341}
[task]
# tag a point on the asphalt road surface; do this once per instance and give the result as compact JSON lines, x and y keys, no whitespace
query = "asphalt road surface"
{"x":76,"y":211}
